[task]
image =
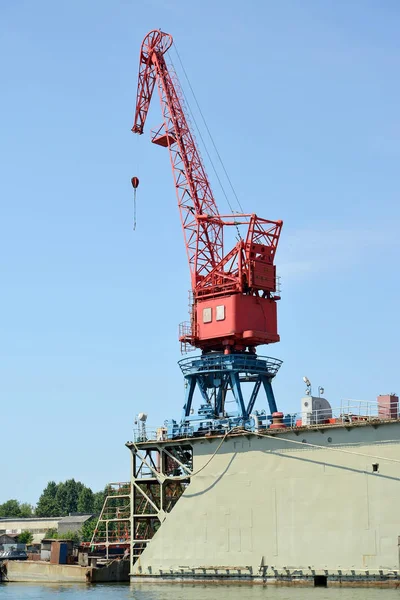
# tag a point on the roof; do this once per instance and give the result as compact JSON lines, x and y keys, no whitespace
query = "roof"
{"x":75,"y":519}
{"x":69,"y":519}
{"x":48,"y":540}
{"x":13,"y":519}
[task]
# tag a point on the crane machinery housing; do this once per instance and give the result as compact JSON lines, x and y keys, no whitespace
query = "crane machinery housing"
{"x":234,"y":292}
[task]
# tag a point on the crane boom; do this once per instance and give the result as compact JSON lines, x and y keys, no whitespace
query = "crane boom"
{"x":203,"y":237}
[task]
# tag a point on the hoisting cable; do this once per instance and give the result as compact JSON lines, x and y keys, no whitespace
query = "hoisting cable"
{"x":334,"y":449}
{"x":135,"y":180}
{"x":134,"y":210}
{"x":187,"y":103}
{"x":258,"y":434}
{"x":202,"y":140}
{"x":135,"y":184}
{"x":208,"y":131}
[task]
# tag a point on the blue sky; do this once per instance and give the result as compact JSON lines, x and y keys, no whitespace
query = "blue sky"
{"x":302,"y":99}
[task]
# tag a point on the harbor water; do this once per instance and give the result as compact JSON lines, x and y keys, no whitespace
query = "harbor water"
{"x":16,"y":591}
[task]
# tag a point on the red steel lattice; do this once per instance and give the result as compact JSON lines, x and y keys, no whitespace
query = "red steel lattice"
{"x":248,"y":268}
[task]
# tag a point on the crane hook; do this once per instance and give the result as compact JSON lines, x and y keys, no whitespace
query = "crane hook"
{"x":135,"y":185}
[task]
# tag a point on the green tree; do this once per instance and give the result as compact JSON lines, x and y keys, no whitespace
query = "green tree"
{"x":26,"y":509}
{"x":67,"y":496}
{"x":70,"y":535}
{"x":86,"y":501}
{"x":51,"y":534}
{"x":11,"y":508}
{"x":48,"y":505}
{"x":26,"y":537}
{"x":61,"y":499}
{"x":87,"y":530}
{"x":98,"y":501}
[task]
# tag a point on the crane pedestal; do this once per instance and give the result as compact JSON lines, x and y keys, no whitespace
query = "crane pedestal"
{"x":225,"y":404}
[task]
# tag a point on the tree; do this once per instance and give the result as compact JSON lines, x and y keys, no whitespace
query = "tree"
{"x":86,"y":501}
{"x":48,"y":505}
{"x":70,"y":535}
{"x":67,"y":496}
{"x":61,"y":499}
{"x":26,"y":510}
{"x":13,"y":509}
{"x":10,"y":508}
{"x":51,"y":534}
{"x":98,"y":502}
{"x":87,"y":530}
{"x":26,"y":537}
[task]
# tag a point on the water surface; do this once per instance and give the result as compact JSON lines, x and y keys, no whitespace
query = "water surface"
{"x":28,"y":591}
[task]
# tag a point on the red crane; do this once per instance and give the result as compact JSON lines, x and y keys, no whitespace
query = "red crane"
{"x":234,"y":292}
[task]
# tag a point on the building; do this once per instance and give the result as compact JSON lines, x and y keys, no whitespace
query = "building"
{"x":8,"y":538}
{"x":10,"y":541}
{"x":46,"y":547}
{"x":39,"y":526}
{"x":73,"y":523}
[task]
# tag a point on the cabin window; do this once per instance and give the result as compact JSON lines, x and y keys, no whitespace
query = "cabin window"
{"x":207,"y":315}
{"x":220,"y":313}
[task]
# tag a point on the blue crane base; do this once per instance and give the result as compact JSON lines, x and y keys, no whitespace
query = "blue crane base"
{"x":219,"y":378}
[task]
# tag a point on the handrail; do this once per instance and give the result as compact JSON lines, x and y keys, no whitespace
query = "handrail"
{"x":349,"y":412}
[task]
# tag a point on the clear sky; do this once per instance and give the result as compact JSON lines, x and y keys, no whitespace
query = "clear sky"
{"x":302,"y":98}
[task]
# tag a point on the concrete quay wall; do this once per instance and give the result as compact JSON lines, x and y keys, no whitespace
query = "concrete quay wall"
{"x":286,"y":508}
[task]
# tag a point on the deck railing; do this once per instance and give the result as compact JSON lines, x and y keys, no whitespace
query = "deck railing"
{"x":349,"y":412}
